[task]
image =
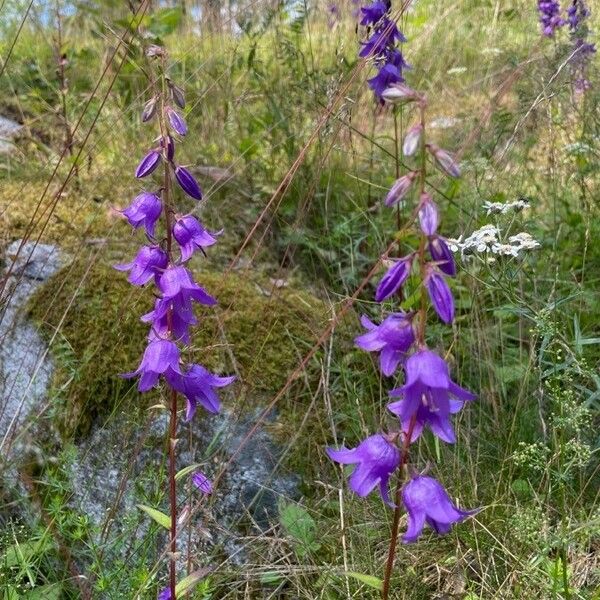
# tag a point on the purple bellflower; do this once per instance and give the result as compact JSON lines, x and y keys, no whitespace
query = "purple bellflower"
{"x":182,"y":318}
{"x":373,"y":13}
{"x":176,"y":284}
{"x":165,"y":594}
{"x":191,"y":235}
{"x":439,"y":294}
{"x":442,"y":255}
{"x":394,"y":277}
{"x":429,"y":217}
{"x":400,"y":188}
{"x":376,"y":459}
{"x":392,"y":339}
{"x":202,"y":482}
{"x":161,"y":357}
{"x":149,"y":262}
{"x":550,"y":19}
{"x":197,"y":385}
{"x":145,"y":209}
{"x":428,"y":384}
{"x":148,"y":164}
{"x":187,"y":183}
{"x":427,"y":501}
{"x":412,"y":140}
{"x":176,"y":121}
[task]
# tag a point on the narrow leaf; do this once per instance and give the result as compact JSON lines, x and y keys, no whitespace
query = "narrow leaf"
{"x":369,"y":580}
{"x":158,"y":516}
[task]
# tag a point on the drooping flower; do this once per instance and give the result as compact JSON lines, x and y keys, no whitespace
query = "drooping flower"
{"x":149,"y":109}
{"x":161,"y":357}
{"x":373,"y":13}
{"x":392,"y":339}
{"x":400,"y":188}
{"x":145,"y":209}
{"x":442,"y":255}
{"x":148,"y":164}
{"x":202,"y":482}
{"x":427,"y":384}
{"x":197,"y":385}
{"x":187,"y":183}
{"x":376,"y":458}
{"x":394,"y":277}
{"x":439,"y":294}
{"x":444,"y":160}
{"x":412,"y":139}
{"x":176,"y":283}
{"x":550,"y":18}
{"x":149,"y":262}
{"x":182,"y":318}
{"x":386,"y":76}
{"x":165,"y":594}
{"x":427,"y":501}
{"x":429,"y":217}
{"x":190,"y":234}
{"x":399,"y":94}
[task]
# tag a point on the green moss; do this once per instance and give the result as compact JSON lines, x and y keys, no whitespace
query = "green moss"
{"x":259,"y":335}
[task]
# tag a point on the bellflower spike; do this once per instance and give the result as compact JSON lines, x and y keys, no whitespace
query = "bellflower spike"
{"x":202,"y":482}
{"x":176,"y":121}
{"x":427,"y":501}
{"x":161,"y":357}
{"x":429,"y":217}
{"x":392,"y":339}
{"x":400,"y":188}
{"x":187,"y":182}
{"x":376,"y":459}
{"x":412,"y":140}
{"x":427,"y":384}
{"x":442,"y":255}
{"x":440,"y":295}
{"x":395,"y":276}
{"x":550,"y":18}
{"x":197,"y":386}
{"x":373,"y":13}
{"x":176,"y":284}
{"x":182,"y":318}
{"x":149,"y":262}
{"x":148,"y":164}
{"x":190,"y":235}
{"x":444,"y":161}
{"x":145,"y":210}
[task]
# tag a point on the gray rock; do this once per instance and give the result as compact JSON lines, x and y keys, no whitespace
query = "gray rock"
{"x":9,"y":129}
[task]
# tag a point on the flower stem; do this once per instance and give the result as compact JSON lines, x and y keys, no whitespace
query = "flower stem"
{"x":397,"y":511}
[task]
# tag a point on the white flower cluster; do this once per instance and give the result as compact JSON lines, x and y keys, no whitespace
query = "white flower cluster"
{"x":502,"y":208}
{"x":487,"y":241}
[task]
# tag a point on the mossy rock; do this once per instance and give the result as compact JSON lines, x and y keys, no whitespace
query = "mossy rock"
{"x":260,"y":334}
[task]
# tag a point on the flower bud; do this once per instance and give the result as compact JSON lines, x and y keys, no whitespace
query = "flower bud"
{"x":187,"y":182}
{"x":444,"y":161}
{"x":399,"y":93}
{"x":176,"y":121}
{"x":412,"y":140}
{"x":177,"y":95}
{"x":169,"y":145}
{"x":154,"y":51}
{"x":148,"y":164}
{"x":400,"y":188}
{"x":149,"y":109}
{"x":428,"y":214}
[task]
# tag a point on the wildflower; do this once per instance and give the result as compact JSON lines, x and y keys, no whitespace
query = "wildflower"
{"x":376,"y":458}
{"x":373,"y":13}
{"x":176,"y":284}
{"x":550,"y":18}
{"x":444,"y":161}
{"x":149,"y":109}
{"x":393,"y":279}
{"x":182,"y":318}
{"x":439,"y":294}
{"x":429,"y":217}
{"x":197,"y":386}
{"x":400,"y":188}
{"x":386,"y":75}
{"x":168,"y":145}
{"x":412,"y":139}
{"x":202,"y":482}
{"x":145,"y":209}
{"x":187,"y":182}
{"x":190,"y":234}
{"x":441,"y":254}
{"x":165,"y":594}
{"x":149,"y":262}
{"x":148,"y":164}
{"x":427,"y":384}
{"x":177,"y":94}
{"x":176,"y":121}
{"x":426,"y":500}
{"x":399,"y":93}
{"x":161,"y":357}
{"x":392,"y":339}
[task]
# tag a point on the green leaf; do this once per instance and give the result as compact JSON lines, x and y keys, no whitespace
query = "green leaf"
{"x":186,"y":471}
{"x":193,"y":579}
{"x":271,"y":578}
{"x":300,"y":525}
{"x":159,"y":517}
{"x":369,"y":580}
{"x":52,"y":591}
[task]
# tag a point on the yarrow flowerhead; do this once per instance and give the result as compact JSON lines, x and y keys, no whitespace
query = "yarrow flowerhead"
{"x":427,"y":501}
{"x":376,"y":458}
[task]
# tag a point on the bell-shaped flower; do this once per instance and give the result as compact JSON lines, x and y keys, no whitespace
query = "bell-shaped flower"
{"x":145,"y":209}
{"x":182,"y":318}
{"x":202,"y":482}
{"x":439,"y":294}
{"x":426,"y":501}
{"x":176,"y":121}
{"x":165,"y":594}
{"x":442,"y":255}
{"x":148,"y":164}
{"x":198,"y":386}
{"x":428,"y":395}
{"x":149,"y":262}
{"x":387,"y":75}
{"x":429,"y":217}
{"x":444,"y":161}
{"x":375,"y":458}
{"x":161,"y":357}
{"x":373,"y":13}
{"x":385,"y":36}
{"x":187,"y":183}
{"x":392,"y":339}
{"x":190,"y":235}
{"x":394,"y":277}
{"x":412,"y":139}
{"x":176,"y":284}
{"x":400,"y":188}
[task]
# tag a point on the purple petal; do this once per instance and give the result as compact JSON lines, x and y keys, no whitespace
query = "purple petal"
{"x":148,"y":164}
{"x":187,"y":182}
